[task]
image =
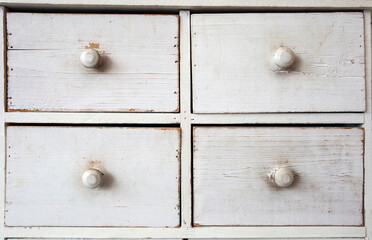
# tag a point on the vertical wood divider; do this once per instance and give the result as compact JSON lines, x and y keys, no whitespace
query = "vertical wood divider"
{"x":2,"y":123}
{"x":185,"y":101}
{"x":367,"y":128}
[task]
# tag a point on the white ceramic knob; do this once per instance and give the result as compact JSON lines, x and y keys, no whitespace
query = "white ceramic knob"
{"x":283,"y":177}
{"x":92,"y":178}
{"x":90,"y":58}
{"x":283,"y":57}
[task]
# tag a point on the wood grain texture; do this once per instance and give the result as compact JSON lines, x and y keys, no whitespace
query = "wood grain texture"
{"x":324,"y":232}
{"x":232,"y":184}
{"x":368,"y":126}
{"x":107,"y":118}
{"x":261,"y":118}
{"x":139,"y":72}
{"x":2,"y":116}
{"x":141,"y":176}
{"x":233,"y":73}
{"x":175,"y":5}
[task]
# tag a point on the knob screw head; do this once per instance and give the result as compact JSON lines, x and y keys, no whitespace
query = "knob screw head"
{"x":283,"y":177}
{"x":283,"y":57}
{"x":90,"y":58}
{"x":92,"y":178}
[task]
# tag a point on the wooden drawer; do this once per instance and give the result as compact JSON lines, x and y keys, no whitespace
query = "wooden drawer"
{"x":234,"y":69}
{"x":138,"y":67}
{"x":238,"y":170}
{"x":140,"y":182}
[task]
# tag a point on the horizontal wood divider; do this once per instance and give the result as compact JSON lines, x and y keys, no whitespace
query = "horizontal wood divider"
{"x":174,"y":118}
{"x":198,"y":232}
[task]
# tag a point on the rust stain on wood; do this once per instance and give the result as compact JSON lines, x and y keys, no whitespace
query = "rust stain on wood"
{"x":166,"y":128}
{"x":22,"y":110}
{"x":138,"y":110}
{"x":80,"y":110}
{"x":95,"y":164}
{"x":92,"y":45}
{"x":86,"y":110}
{"x":178,"y":106}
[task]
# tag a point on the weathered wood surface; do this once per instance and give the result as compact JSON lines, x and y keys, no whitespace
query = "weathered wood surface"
{"x":201,"y":5}
{"x":231,"y":176}
{"x":233,"y":73}
{"x":139,"y":71}
{"x":140,"y":183}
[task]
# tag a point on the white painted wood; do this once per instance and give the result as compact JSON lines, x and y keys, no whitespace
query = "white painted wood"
{"x":90,"y":118}
{"x":368,"y":127}
{"x":286,"y":238}
{"x":232,"y":167}
{"x":185,"y":85}
{"x":185,"y":231}
{"x":98,"y":238}
{"x":225,"y":5}
{"x":301,"y":118}
{"x":2,"y":123}
{"x":140,"y":183}
{"x":211,"y":238}
{"x":139,"y":71}
{"x":321,"y":118}
{"x":198,"y":238}
{"x":199,"y":232}
{"x":232,"y":69}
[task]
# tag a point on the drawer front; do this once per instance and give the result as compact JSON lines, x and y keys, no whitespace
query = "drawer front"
{"x":140,"y":182}
{"x":138,"y":69}
{"x":238,"y":171}
{"x":235,"y":61}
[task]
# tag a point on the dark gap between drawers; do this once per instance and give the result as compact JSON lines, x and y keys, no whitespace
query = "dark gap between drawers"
{"x":192,"y":176}
{"x":304,"y":125}
{"x":125,"y":9}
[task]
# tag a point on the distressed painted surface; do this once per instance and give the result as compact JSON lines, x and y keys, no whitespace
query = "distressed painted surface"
{"x":141,"y":176}
{"x":121,"y":239}
{"x":233,"y":73}
{"x":232,"y":167}
{"x":139,"y":71}
{"x":225,"y":5}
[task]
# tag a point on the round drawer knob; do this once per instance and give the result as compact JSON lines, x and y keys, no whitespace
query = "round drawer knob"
{"x":92,"y":178}
{"x":283,"y":57}
{"x":90,"y":58}
{"x":283,"y":177}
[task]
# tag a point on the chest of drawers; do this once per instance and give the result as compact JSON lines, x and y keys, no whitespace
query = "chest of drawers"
{"x":225,"y":119}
